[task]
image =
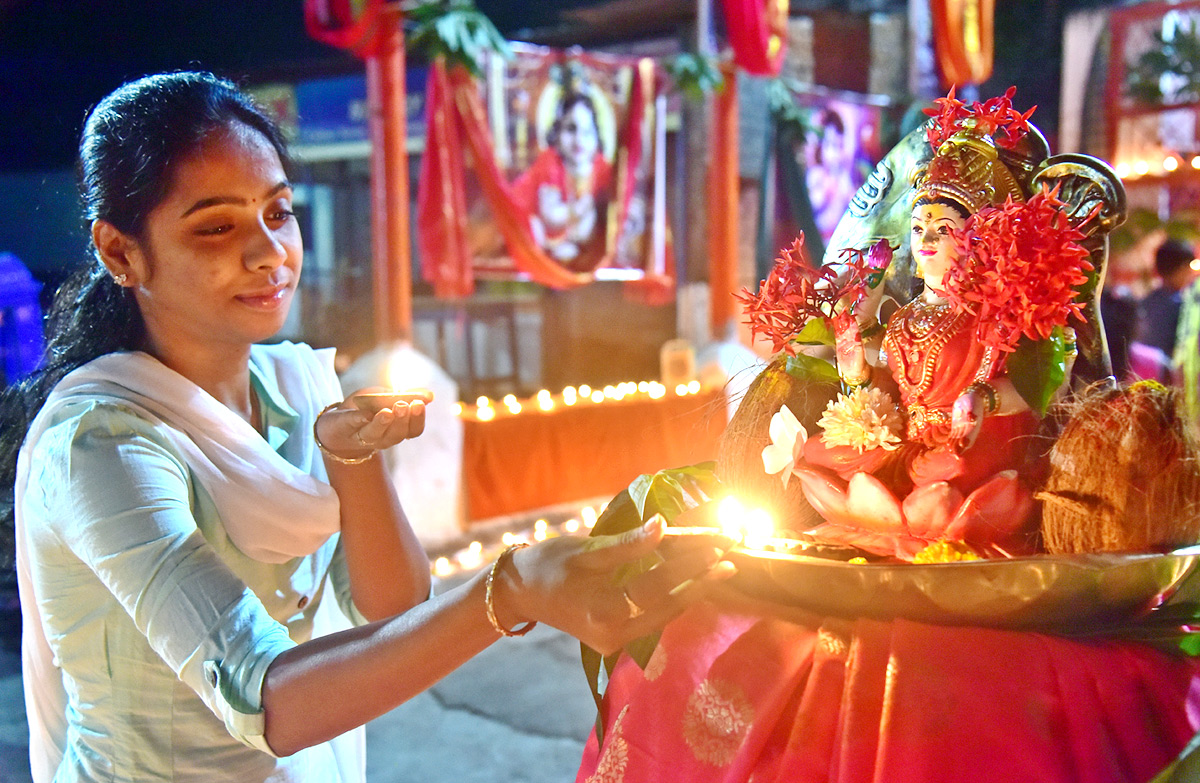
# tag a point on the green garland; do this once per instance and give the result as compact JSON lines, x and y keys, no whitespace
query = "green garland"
{"x":455,"y":30}
{"x":1179,"y":57}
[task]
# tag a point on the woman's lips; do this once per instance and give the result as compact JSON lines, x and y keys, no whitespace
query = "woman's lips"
{"x":266,"y":299}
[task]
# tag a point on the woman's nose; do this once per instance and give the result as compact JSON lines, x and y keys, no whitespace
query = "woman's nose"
{"x":265,"y":251}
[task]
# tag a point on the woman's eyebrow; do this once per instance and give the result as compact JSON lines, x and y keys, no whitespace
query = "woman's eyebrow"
{"x":236,"y":201}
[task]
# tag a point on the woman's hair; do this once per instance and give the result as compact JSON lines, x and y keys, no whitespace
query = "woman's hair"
{"x":568,"y":102}
{"x":131,"y":143}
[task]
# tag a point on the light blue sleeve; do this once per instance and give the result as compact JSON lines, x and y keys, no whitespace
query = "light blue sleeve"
{"x":132,"y":524}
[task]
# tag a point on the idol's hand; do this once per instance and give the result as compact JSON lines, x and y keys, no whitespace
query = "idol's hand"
{"x":576,"y":584}
{"x":851,"y":357}
{"x":966,"y":418}
{"x":351,"y":432}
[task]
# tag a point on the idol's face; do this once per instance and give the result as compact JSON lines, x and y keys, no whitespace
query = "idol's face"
{"x":933,"y":244}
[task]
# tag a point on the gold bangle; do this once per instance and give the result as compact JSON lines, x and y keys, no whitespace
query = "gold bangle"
{"x":992,"y":404}
{"x":858,"y":383}
{"x":489,"y":598}
{"x":327,"y":452}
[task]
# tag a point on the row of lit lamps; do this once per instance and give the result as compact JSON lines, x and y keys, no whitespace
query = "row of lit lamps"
{"x":544,"y":400}
{"x":1142,"y":168}
{"x":475,"y":554}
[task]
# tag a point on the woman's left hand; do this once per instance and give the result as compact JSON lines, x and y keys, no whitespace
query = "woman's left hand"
{"x":966,"y":418}
{"x":349,"y":432}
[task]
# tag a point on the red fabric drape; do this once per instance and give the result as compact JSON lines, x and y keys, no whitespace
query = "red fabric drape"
{"x":333,"y":22}
{"x":723,"y":208}
{"x":963,"y":39}
{"x":757,"y":31}
{"x":441,"y":200}
{"x":455,"y":115}
{"x":583,"y":451}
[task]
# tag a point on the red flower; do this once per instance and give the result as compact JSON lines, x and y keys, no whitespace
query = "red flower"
{"x":992,"y":118}
{"x":795,"y":292}
{"x":1018,"y":269}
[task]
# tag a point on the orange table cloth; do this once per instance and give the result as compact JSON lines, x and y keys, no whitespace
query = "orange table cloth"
{"x":541,"y":458}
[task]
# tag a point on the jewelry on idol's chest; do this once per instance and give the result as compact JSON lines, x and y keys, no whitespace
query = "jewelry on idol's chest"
{"x":917,"y":340}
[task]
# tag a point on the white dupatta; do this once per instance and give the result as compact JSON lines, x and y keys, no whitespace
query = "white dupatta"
{"x":272,"y":510}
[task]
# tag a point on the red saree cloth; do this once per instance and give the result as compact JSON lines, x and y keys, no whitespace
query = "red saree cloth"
{"x":761,"y":695}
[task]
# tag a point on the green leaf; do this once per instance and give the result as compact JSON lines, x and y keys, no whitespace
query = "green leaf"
{"x":619,"y":516}
{"x":455,"y":31}
{"x":816,"y":332}
{"x":670,"y":492}
{"x":810,"y":368}
{"x":1037,"y":369}
{"x":667,"y":492}
{"x":695,"y":75}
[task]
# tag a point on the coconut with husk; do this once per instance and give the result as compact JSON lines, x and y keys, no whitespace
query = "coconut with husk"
{"x":739,"y":455}
{"x":1124,"y":474}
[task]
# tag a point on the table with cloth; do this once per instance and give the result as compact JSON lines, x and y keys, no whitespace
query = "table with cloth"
{"x":587,"y":450}
{"x":757,"y":691}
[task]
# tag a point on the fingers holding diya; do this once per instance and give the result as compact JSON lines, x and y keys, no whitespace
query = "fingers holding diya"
{"x":372,"y":402}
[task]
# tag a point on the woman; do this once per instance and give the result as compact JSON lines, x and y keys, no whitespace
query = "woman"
{"x":189,"y":504}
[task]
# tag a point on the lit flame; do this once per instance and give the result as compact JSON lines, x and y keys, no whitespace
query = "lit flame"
{"x":752,"y":527}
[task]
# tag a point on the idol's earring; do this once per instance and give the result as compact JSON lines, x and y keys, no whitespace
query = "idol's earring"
{"x":120,"y":279}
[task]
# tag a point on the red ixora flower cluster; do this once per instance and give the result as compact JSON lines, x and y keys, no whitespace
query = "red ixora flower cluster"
{"x":795,"y":292}
{"x":991,"y":118}
{"x":1018,"y":269}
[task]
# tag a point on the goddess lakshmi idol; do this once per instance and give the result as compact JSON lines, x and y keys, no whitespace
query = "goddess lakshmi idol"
{"x":918,"y":630}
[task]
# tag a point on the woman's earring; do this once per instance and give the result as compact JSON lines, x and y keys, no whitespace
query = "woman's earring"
{"x":120,"y":279}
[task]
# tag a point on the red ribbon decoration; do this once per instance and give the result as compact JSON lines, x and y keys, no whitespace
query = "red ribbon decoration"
{"x":333,"y":22}
{"x":757,"y":31}
{"x":963,"y":39}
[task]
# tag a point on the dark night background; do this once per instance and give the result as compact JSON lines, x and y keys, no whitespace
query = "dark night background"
{"x":58,"y":57}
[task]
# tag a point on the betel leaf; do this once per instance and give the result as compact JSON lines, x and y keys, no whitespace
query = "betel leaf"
{"x":811,"y":368}
{"x":668,"y":492}
{"x":1037,"y":369}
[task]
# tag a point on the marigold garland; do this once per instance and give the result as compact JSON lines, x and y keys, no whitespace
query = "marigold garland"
{"x":1018,"y":269}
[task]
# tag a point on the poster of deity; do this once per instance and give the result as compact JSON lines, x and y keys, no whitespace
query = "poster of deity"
{"x":577,"y":138}
{"x":818,"y":171}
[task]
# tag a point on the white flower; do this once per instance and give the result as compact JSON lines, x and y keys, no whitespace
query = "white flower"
{"x":787,"y":439}
{"x":866,"y":418}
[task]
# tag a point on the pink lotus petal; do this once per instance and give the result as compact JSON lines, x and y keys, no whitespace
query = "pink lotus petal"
{"x":873,"y":506}
{"x":825,"y":492}
{"x":929,"y":510}
{"x":997,"y":512}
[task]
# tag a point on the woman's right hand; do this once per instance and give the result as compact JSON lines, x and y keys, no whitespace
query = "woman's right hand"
{"x":575,"y":584}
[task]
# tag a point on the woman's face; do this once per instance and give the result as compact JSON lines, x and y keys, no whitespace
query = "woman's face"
{"x":578,"y":138}
{"x":933,"y":244}
{"x":220,"y":256}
